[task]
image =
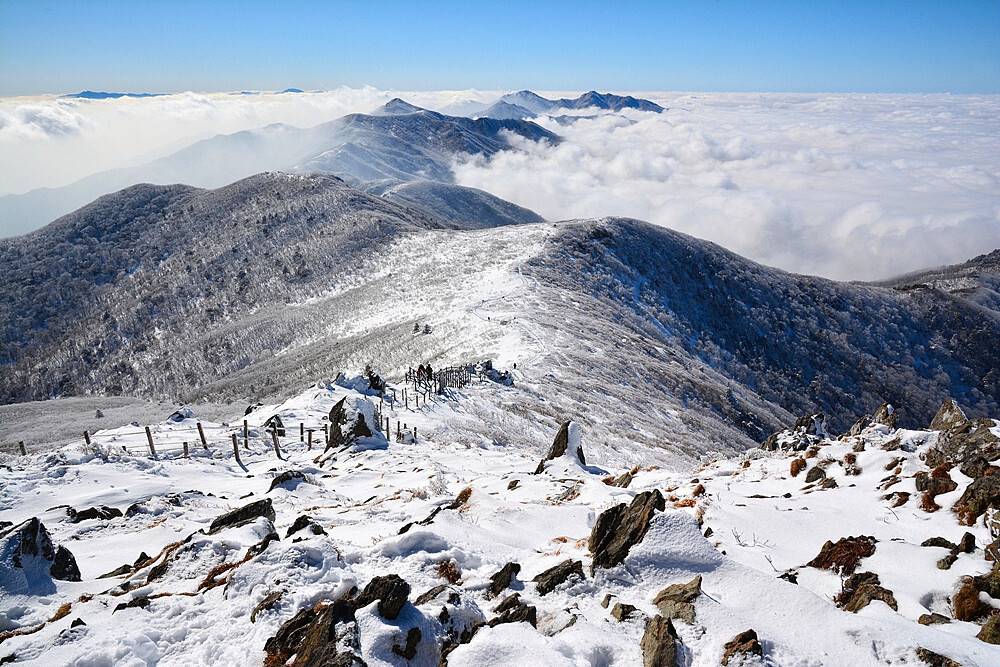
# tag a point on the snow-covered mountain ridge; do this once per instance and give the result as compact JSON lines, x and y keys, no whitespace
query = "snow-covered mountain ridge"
{"x":455,"y":548}
{"x":235,"y":294}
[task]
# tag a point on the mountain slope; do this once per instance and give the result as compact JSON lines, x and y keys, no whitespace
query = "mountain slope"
{"x":505,"y":110}
{"x":467,"y":207}
{"x":237,"y":294}
{"x":400,"y":142}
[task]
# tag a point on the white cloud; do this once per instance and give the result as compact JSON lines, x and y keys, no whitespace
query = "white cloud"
{"x":48,"y":142}
{"x":844,"y":186}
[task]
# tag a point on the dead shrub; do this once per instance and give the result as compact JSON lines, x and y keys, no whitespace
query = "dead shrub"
{"x":797,"y":466}
{"x":843,"y":555}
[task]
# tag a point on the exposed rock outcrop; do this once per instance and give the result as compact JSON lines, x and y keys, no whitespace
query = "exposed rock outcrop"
{"x":659,"y":643}
{"x":843,"y":555}
{"x":567,"y":441}
{"x":622,"y":526}
{"x":677,"y":600}
{"x":743,"y":644}
{"x":547,"y":581}
{"x":243,"y":516}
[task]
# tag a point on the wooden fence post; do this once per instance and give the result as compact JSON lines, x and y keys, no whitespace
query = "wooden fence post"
{"x":201,"y":434}
{"x":302,"y":432}
{"x":86,"y":438}
{"x":185,"y":449}
{"x":326,"y":434}
{"x":236,"y":450}
{"x":309,"y":443}
{"x":246,"y":435}
{"x":414,"y":434}
{"x":20,"y":445}
{"x":397,"y":429}
{"x":149,"y":439}
{"x":274,"y":439}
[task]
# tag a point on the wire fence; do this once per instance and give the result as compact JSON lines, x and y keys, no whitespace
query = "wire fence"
{"x":174,"y":439}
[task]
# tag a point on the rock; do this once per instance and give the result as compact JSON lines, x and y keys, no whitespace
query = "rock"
{"x":933,"y":659}
{"x":98,"y":414}
{"x":243,"y":516}
{"x":843,"y":555}
{"x":103,"y":513}
{"x":409,"y":650}
{"x":568,"y":438}
{"x":390,"y":590}
{"x":945,"y":562}
{"x":286,"y":477}
{"x":677,"y":600}
{"x":500,"y":581}
{"x":547,"y":581}
{"x":361,"y":428}
{"x":990,"y":632}
{"x":967,"y":446}
{"x":303,"y":522}
{"x":860,"y":425}
{"x":933,"y":619}
{"x":948,"y":416}
{"x":606,"y":600}
{"x":659,"y":643}
{"x":621,"y":612}
{"x":797,"y":465}
{"x":939,"y":542}
{"x":989,"y":583}
{"x":29,"y":553}
{"x":77,"y":622}
{"x":326,"y":638}
{"x":815,"y":474}
{"x":886,"y":415}
{"x":967,"y":544}
{"x":979,"y":496}
{"x":935,"y":483}
{"x":745,"y":643}
{"x":860,"y":589}
{"x":791,"y":576}
{"x":266,"y":603}
{"x":965,"y":603}
{"x":514,"y":610}
{"x":619,"y":528}
{"x":513,"y":484}
{"x":117,"y":572}
{"x":431,"y":594}
{"x":137,"y":603}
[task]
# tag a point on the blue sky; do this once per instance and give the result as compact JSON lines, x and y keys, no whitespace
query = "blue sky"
{"x":870,"y":46}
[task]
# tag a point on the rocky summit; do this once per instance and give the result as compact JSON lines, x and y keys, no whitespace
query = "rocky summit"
{"x":435,"y":546}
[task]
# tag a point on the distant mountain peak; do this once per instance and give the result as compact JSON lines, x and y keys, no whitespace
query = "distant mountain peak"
{"x":102,"y":95}
{"x":506,"y":111}
{"x":397,"y":107}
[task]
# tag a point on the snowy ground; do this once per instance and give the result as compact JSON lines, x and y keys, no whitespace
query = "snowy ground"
{"x":364,"y":495}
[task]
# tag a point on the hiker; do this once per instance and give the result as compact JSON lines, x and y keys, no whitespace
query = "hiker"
{"x":430,"y":372}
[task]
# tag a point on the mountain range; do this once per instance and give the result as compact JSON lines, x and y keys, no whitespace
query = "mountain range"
{"x":237,"y":293}
{"x":397,"y":142}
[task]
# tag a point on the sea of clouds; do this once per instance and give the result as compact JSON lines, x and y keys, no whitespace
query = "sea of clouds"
{"x":844,"y":186}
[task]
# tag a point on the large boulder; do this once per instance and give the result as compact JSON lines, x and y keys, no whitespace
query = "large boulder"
{"x":619,"y":528}
{"x":566,"y":443}
{"x":29,"y":561}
